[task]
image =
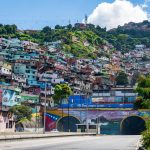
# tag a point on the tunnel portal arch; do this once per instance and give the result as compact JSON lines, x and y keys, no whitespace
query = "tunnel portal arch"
{"x":67,"y":123}
{"x":132,"y":125}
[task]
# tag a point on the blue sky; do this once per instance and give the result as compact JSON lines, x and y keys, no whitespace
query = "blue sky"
{"x":34,"y":14}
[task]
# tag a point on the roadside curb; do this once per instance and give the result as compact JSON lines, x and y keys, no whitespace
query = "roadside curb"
{"x":35,"y":136}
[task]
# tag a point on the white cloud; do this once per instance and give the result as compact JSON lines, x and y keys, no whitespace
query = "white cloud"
{"x":145,"y":4}
{"x":110,"y":15}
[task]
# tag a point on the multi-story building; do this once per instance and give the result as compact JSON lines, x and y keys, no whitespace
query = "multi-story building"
{"x":30,"y":72}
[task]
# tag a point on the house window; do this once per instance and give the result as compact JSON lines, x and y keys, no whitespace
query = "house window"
{"x":27,"y":71}
{"x":6,"y":125}
{"x":10,"y":124}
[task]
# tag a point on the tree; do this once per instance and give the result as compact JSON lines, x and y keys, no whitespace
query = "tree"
{"x":14,"y":28}
{"x":2,"y":30}
{"x":138,"y":103}
{"x":58,"y":27}
{"x":69,"y":26}
{"x":146,"y":136}
{"x":62,"y":91}
{"x":21,"y":112}
{"x":46,"y":30}
{"x":9,"y":29}
{"x":122,"y":78}
{"x":143,"y":87}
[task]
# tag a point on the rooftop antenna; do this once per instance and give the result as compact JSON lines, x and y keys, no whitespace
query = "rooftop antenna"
{"x":69,"y":21}
{"x":86,"y":18}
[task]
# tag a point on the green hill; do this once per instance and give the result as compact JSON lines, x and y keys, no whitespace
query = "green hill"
{"x":85,"y":41}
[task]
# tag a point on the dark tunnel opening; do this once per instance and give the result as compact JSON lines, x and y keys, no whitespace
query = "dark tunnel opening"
{"x":67,"y":123}
{"x":133,"y":125}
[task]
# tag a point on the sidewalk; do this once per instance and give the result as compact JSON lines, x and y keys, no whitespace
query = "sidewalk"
{"x":18,"y":136}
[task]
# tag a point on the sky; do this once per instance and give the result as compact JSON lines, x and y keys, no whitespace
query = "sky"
{"x":35,"y":14}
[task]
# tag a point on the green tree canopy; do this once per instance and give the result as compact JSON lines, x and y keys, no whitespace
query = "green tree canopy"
{"x":122,"y":78}
{"x":62,"y":91}
{"x":143,"y":87}
{"x":21,"y":112}
{"x":46,"y":30}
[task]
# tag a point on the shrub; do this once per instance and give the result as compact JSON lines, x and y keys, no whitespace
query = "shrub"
{"x":140,"y":103}
{"x":146,"y":137}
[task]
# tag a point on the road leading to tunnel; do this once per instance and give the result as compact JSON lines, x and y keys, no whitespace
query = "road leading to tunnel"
{"x":119,"y":142}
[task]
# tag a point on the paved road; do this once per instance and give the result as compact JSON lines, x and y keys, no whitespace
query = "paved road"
{"x":74,"y":143}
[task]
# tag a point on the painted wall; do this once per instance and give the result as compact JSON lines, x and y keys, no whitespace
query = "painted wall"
{"x":10,"y":98}
{"x":109,"y":119}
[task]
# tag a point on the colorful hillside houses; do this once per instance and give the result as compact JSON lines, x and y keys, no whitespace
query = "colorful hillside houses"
{"x":29,"y":72}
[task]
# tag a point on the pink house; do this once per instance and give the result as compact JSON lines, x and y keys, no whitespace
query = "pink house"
{"x":7,"y":123}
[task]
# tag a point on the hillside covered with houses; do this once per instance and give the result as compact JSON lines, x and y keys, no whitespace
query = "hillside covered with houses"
{"x":82,"y":56}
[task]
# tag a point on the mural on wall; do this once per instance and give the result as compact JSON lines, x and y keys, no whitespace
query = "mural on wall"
{"x":51,"y":120}
{"x":30,"y":98}
{"x":109,"y":119}
{"x":9,"y":98}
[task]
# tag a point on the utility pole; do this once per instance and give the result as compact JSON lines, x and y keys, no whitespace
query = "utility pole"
{"x":36,"y":116}
{"x":45,"y":108}
{"x":68,"y":116}
{"x":124,"y":96}
{"x":97,"y":121}
{"x":86,"y":19}
{"x":87,"y":128}
{"x":62,"y":113}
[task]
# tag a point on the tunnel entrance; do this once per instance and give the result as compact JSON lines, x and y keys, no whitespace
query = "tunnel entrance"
{"x":132,"y":125}
{"x":67,"y":123}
